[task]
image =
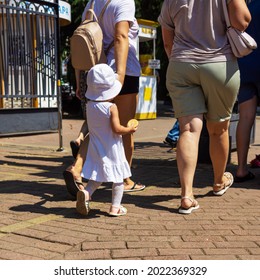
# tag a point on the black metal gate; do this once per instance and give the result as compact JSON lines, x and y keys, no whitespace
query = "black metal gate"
{"x":29,"y":65}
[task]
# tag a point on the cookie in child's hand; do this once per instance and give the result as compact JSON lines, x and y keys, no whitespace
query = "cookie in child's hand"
{"x":133,"y":122}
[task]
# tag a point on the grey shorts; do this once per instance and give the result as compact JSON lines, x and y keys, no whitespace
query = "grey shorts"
{"x":203,"y":88}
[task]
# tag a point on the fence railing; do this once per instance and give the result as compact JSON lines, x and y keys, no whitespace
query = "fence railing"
{"x":28,"y":54}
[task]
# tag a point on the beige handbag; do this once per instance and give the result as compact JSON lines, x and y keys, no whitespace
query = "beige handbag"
{"x":241,"y":42}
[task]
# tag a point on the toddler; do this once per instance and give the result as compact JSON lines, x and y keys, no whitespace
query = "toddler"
{"x":105,"y":161}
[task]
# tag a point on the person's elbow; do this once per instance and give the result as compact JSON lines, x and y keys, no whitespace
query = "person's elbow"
{"x":240,"y":17}
{"x":120,"y":38}
{"x":117,"y":131}
{"x":243,"y":24}
{"x":167,"y":48}
{"x":247,"y":21}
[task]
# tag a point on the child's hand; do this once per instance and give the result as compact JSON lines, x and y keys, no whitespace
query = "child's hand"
{"x":133,"y":124}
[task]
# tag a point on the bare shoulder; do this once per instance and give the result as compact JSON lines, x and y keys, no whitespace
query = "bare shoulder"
{"x":113,"y":108}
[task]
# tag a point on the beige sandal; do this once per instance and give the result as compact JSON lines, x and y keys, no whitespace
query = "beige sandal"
{"x":82,"y":205}
{"x":220,"y":189}
{"x":194,"y":206}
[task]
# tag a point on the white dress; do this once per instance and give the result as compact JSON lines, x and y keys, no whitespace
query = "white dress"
{"x":105,"y":160}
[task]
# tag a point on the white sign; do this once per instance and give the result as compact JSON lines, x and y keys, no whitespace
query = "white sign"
{"x":64,"y":9}
{"x":154,"y":63}
{"x":64,"y":12}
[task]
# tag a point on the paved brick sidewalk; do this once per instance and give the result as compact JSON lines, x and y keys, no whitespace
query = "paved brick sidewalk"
{"x":39,"y":221}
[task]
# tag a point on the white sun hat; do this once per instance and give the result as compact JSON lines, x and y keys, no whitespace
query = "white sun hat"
{"x":102,"y":83}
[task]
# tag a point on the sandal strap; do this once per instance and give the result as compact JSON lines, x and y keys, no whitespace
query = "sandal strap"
{"x":194,"y":202}
{"x":229,"y":181}
{"x":187,"y":197}
{"x":219,"y":185}
{"x":118,"y":208}
{"x":122,"y":209}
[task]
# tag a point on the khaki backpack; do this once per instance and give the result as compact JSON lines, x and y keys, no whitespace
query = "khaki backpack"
{"x":86,"y":43}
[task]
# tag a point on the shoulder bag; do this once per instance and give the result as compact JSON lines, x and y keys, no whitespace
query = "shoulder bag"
{"x":241,"y":42}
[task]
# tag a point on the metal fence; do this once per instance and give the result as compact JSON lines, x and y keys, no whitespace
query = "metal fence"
{"x":28,"y":54}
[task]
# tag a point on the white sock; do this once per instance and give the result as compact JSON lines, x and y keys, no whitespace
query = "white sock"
{"x":117,"y":194}
{"x":92,"y":186}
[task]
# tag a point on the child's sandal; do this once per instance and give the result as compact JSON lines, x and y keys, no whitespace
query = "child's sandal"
{"x":121,"y":211}
{"x":82,"y":205}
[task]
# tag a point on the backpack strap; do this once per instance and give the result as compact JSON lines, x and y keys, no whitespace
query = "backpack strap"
{"x":103,"y":10}
{"x":90,"y":15}
{"x":99,"y":19}
{"x":90,"y":12}
{"x":92,"y":4}
{"x":109,"y":47}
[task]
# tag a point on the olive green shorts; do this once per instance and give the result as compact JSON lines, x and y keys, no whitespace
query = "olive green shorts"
{"x":203,"y":88}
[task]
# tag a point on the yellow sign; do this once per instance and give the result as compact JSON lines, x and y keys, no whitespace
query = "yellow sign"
{"x":147,"y":93}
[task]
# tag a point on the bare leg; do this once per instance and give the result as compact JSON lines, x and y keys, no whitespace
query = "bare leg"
{"x":247,"y":113}
{"x":77,"y":166}
{"x":187,"y":154}
{"x":82,"y":134}
{"x":72,"y":175}
{"x":219,"y":148}
{"x":127,"y":106}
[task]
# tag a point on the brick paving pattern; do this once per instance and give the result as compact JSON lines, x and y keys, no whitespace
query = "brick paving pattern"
{"x":39,"y":221}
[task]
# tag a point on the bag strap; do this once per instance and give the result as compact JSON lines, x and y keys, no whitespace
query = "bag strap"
{"x":90,"y":14}
{"x":91,"y":11}
{"x":224,"y":3}
{"x":103,"y":10}
{"x":99,"y":19}
{"x":109,"y":47}
{"x":92,"y":5}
